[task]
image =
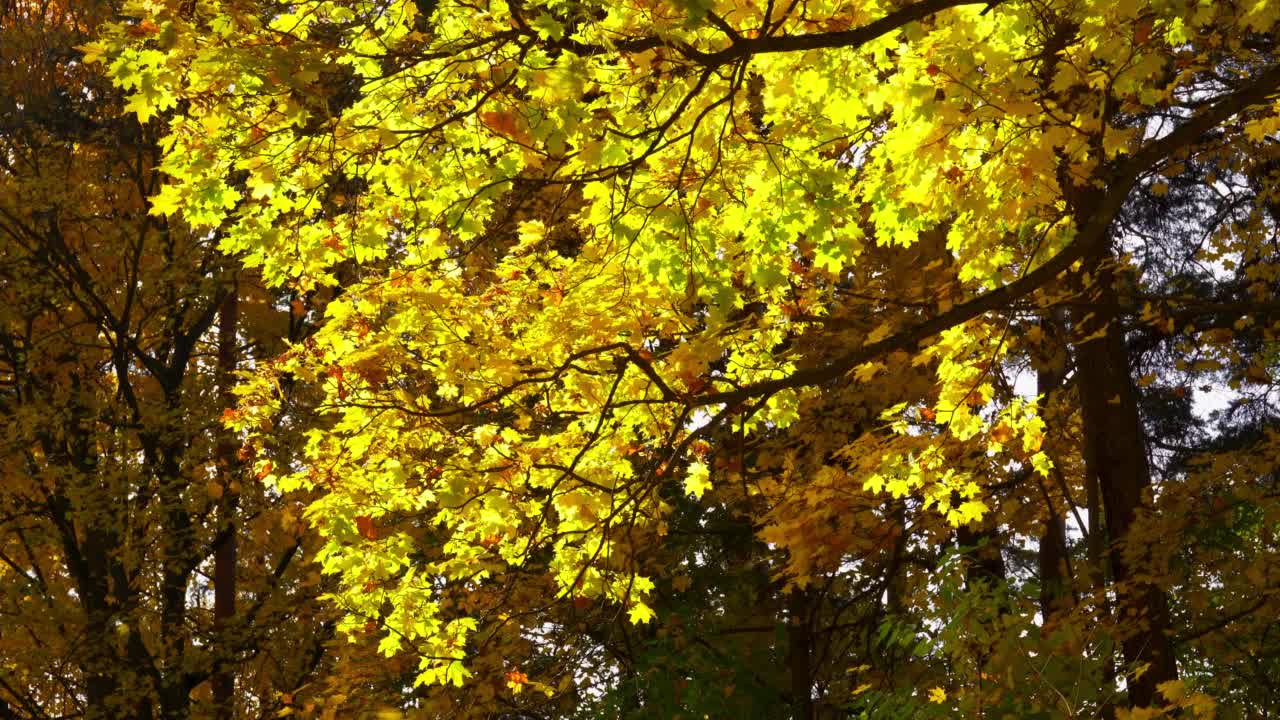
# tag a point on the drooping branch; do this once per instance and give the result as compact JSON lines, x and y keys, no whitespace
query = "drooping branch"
{"x":1101,"y":206}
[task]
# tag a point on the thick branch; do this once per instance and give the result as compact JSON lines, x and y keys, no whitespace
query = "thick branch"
{"x":1101,"y":209}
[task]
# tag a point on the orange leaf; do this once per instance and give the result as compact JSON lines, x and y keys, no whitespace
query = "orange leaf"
{"x":1002,"y":434}
{"x":506,"y":124}
{"x":144,"y":28}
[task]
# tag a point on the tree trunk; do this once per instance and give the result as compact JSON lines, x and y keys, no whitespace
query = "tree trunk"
{"x":1116,"y":455}
{"x":982,"y":550}
{"x":1053,"y":561}
{"x":224,"y":560}
{"x":1053,"y":569}
{"x":800,"y":655}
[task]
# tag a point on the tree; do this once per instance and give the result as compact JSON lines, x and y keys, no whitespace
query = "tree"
{"x":596,"y":259}
{"x":120,"y":492}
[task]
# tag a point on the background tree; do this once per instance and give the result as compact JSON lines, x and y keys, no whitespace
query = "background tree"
{"x":119,"y":490}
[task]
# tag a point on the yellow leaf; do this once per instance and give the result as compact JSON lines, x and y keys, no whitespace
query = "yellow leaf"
{"x":697,"y":481}
{"x":866,"y":371}
{"x":881,"y":332}
{"x":640,"y":613}
{"x":531,"y":233}
{"x":93,"y":52}
{"x":1172,"y":690}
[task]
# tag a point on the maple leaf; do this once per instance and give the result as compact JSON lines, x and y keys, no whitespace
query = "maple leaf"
{"x":639,"y":613}
{"x":697,"y":479}
{"x":516,"y":681}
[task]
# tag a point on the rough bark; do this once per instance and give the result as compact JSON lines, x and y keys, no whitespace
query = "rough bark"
{"x":224,"y":560}
{"x":1116,"y":456}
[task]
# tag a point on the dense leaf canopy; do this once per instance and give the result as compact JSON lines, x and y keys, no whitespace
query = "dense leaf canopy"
{"x":889,"y":324}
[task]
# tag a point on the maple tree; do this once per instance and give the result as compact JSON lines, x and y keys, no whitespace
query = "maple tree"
{"x":602,"y":272}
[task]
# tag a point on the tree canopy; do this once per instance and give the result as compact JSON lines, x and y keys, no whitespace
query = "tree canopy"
{"x":838,"y":358}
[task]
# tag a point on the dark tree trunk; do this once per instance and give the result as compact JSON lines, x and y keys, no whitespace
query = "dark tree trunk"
{"x":174,"y":576}
{"x":982,"y":548}
{"x":1115,"y":452}
{"x":1053,"y":561}
{"x":224,"y":560}
{"x":1054,"y":582}
{"x":800,"y":655}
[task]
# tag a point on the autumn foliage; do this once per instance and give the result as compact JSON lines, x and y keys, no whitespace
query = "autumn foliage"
{"x":711,"y":358}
